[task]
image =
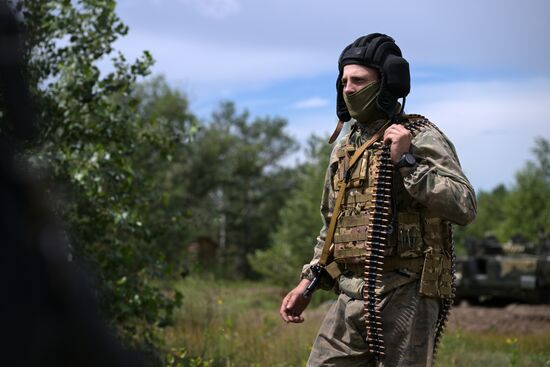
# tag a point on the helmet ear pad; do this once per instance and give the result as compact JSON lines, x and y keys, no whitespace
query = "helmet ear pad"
{"x":396,"y":82}
{"x":341,"y":108}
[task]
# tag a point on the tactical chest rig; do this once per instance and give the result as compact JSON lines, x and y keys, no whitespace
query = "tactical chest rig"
{"x":377,"y":227}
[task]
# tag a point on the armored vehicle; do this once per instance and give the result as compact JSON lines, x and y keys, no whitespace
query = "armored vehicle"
{"x":513,"y":272}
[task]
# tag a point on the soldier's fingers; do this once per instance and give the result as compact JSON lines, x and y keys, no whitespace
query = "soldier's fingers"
{"x":283,"y":315}
{"x":397,"y":127}
{"x":399,"y":136}
{"x":283,"y":311}
{"x":393,"y":129}
{"x":291,"y":300}
{"x":389,"y":137}
{"x":296,"y":318}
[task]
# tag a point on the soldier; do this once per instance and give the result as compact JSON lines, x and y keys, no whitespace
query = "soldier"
{"x":393,"y":187}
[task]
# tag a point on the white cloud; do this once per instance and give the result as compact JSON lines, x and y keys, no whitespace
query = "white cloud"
{"x":430,"y":32}
{"x":487,"y":107}
{"x":313,"y":102}
{"x":222,"y":64}
{"x":492,"y":124}
{"x":217,"y":9}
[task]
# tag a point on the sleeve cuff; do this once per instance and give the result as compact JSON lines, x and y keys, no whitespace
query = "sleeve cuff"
{"x":307,"y":273}
{"x":407,"y":171}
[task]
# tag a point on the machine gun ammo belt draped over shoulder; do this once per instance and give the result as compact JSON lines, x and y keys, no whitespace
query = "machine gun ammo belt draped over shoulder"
{"x":417,"y":124}
{"x":379,"y":229}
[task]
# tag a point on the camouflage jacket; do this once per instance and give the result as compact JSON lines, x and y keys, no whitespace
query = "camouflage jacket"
{"x":436,"y":181}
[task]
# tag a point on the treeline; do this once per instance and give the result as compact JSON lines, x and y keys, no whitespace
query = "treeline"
{"x":148,"y":191}
{"x":521,"y":210}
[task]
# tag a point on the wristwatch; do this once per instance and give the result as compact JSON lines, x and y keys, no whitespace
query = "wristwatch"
{"x":406,"y":160}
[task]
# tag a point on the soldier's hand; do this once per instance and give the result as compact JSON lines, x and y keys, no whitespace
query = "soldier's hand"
{"x":400,"y":139}
{"x":294,"y":303}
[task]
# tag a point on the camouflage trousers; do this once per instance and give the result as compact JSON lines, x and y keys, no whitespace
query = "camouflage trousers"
{"x":408,"y":325}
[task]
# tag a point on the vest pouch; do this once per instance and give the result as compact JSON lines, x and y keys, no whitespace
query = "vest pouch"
{"x":341,"y":155}
{"x":436,"y":280}
{"x":359,"y":173}
{"x":336,"y":182}
{"x":409,"y":235}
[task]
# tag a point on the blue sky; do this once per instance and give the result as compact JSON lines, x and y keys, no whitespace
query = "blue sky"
{"x":480,"y":69}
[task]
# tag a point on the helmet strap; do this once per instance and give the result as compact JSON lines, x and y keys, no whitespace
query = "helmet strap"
{"x":395,"y":116}
{"x":336,"y":131}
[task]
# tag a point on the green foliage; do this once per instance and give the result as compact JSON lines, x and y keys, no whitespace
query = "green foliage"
{"x":178,"y":358}
{"x":527,"y":210}
{"x":490,"y":215}
{"x":234,"y":183}
{"x":97,"y":148}
{"x":165,"y":112}
{"x":292,"y":242}
{"x":493,"y":349}
{"x":523,"y":209}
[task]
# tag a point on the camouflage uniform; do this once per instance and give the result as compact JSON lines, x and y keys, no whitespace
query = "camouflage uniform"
{"x":436,"y":182}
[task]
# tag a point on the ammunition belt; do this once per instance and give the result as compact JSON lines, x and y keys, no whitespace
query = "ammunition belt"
{"x":446,"y":303}
{"x":378,"y":230}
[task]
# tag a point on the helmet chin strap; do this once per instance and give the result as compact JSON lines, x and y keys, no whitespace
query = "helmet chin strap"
{"x":395,"y":117}
{"x":403,"y":105}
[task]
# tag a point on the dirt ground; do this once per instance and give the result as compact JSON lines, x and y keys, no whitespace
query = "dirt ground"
{"x":514,"y":318}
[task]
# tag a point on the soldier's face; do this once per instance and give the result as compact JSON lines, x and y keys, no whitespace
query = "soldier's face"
{"x":356,"y":77}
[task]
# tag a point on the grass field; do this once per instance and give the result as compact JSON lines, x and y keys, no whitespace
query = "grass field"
{"x":237,"y":325}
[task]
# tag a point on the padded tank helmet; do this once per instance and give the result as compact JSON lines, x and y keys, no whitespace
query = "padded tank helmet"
{"x":380,"y":52}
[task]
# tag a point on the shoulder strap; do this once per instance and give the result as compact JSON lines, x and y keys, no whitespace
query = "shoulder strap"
{"x":327,"y":247}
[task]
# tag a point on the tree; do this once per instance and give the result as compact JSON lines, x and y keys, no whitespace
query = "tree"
{"x":165,"y":108}
{"x":291,"y":245}
{"x":527,"y":209}
{"x":92,"y":144}
{"x":235,"y":183}
{"x":490,"y":215}
{"x":521,"y":209}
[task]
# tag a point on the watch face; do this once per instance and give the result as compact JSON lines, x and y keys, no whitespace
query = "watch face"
{"x":409,"y":159}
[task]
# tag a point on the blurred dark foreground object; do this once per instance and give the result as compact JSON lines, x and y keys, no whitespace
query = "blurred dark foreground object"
{"x":47,"y":313}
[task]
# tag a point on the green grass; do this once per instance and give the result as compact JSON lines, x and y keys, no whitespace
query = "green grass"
{"x":237,"y":324}
{"x":493,"y":349}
